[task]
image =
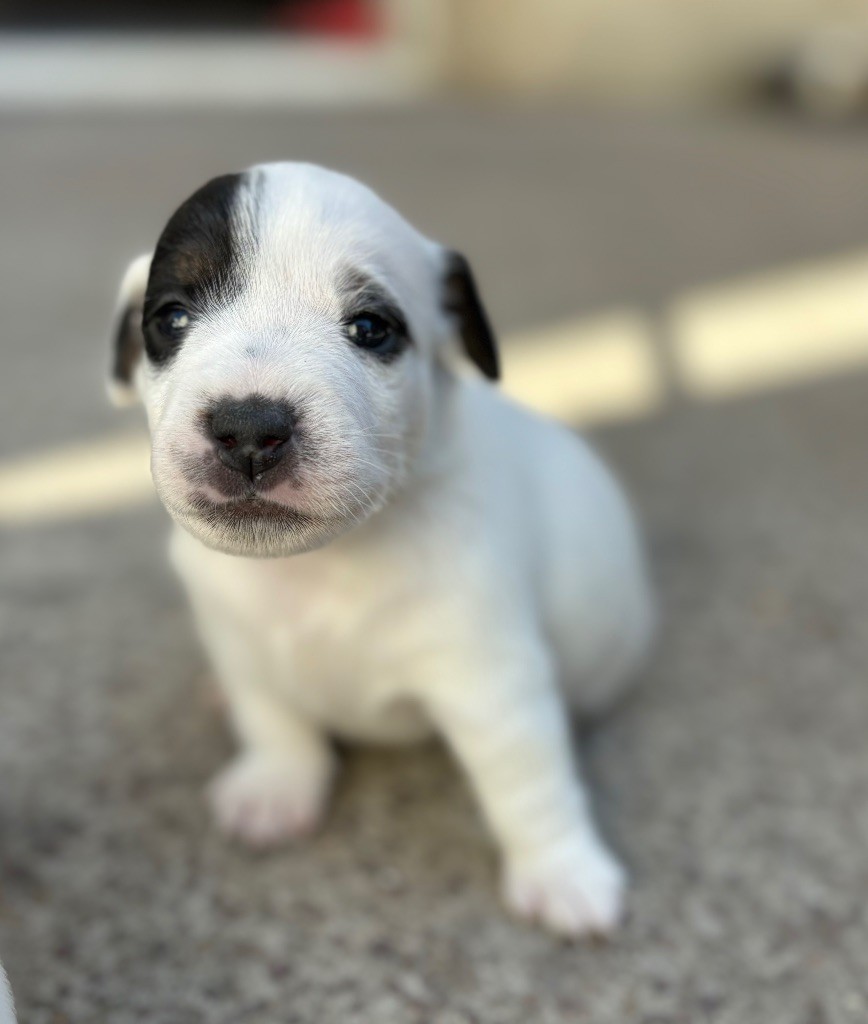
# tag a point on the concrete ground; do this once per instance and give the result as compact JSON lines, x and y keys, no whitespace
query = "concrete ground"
{"x":735,"y":783}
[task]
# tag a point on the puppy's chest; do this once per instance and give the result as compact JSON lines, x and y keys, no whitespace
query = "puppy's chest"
{"x":340,"y":644}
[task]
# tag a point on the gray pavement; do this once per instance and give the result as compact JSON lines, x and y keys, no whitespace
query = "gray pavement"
{"x":735,"y":782}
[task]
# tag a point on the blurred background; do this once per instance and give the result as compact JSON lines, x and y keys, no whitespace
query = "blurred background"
{"x":664,"y":203}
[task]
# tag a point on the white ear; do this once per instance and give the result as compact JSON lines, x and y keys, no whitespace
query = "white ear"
{"x":127,"y":339}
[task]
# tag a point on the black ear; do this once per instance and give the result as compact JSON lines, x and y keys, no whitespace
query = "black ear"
{"x":127,"y":345}
{"x":462,"y":300}
{"x":127,"y":340}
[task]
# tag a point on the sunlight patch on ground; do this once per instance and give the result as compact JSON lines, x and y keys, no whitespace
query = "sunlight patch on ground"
{"x":764,"y":332}
{"x":80,"y":480}
{"x":586,"y":371}
{"x":773,"y":329}
{"x":583,"y":371}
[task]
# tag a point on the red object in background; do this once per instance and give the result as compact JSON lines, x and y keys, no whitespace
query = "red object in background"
{"x":354,"y":19}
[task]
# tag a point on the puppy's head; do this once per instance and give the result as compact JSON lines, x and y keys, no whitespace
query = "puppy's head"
{"x":283,"y":337}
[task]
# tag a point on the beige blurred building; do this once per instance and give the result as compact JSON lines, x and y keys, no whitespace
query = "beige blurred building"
{"x":609,"y":51}
{"x":625,"y":50}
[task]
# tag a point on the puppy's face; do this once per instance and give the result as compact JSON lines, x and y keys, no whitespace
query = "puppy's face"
{"x":283,"y":338}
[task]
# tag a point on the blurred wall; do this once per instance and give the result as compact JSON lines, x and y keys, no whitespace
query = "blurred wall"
{"x":635,"y":50}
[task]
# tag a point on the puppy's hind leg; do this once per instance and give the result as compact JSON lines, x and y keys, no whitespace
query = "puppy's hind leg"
{"x":277,"y":787}
{"x":600,"y":667}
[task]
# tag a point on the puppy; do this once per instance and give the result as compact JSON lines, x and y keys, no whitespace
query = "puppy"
{"x":376,"y":544}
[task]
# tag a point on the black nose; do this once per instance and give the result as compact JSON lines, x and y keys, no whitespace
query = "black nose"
{"x":252,"y":434}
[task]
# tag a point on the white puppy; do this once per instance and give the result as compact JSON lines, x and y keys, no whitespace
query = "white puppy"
{"x":377,"y":545}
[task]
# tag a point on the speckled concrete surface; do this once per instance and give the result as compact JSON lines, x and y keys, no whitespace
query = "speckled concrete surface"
{"x":734,"y":784}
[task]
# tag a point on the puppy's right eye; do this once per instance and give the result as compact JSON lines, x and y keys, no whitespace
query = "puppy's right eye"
{"x":172,"y":322}
{"x":368,"y":330}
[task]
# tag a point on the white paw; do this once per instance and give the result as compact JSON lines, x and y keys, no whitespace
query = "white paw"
{"x":266,"y":799}
{"x":573,"y":889}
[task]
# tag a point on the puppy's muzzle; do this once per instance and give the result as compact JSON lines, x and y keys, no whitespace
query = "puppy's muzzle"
{"x":251,"y":436}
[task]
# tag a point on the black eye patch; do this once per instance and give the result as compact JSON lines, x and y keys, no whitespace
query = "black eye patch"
{"x":199,"y":259}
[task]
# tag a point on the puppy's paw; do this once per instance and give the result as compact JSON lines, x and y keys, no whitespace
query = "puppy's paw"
{"x":266,"y":799}
{"x":573,"y":890}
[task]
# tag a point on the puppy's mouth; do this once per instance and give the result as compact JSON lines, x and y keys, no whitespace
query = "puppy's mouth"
{"x":251,"y":517}
{"x":252,"y":507}
{"x":254,"y":526}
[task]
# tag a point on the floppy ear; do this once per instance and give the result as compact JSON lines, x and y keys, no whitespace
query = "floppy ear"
{"x":127,"y":339}
{"x":461,"y":299}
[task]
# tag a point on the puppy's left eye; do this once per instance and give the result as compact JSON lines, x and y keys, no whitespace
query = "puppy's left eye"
{"x":172,"y":322}
{"x":374,"y":332}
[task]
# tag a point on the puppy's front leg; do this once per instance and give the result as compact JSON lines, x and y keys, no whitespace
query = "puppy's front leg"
{"x":277,"y":787}
{"x":508,"y":728}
